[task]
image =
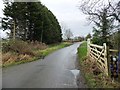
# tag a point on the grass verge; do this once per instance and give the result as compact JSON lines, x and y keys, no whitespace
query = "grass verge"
{"x":53,"y":48}
{"x":39,"y":54}
{"x":82,"y":51}
{"x":87,"y":67}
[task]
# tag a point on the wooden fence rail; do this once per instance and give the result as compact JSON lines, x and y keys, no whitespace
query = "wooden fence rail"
{"x":98,"y":54}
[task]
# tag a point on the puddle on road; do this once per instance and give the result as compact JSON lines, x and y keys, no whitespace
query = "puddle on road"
{"x":75,"y":72}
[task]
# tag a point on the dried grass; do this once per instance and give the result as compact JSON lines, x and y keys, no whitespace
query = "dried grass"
{"x":100,"y":78}
{"x":38,"y":45}
{"x":18,"y":50}
{"x":23,"y":57}
{"x":8,"y":58}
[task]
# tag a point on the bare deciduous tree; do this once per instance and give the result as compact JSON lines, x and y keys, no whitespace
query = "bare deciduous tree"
{"x":68,"y":34}
{"x":103,"y":13}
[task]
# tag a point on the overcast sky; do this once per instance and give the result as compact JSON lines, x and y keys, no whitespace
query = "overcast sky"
{"x":2,"y":34}
{"x":68,"y":13}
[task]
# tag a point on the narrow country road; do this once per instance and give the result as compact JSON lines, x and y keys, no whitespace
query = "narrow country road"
{"x":54,"y":71}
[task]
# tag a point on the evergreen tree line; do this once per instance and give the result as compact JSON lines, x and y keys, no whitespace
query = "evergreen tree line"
{"x":31,"y":21}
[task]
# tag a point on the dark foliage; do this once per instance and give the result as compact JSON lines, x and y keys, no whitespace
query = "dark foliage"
{"x":31,"y":21}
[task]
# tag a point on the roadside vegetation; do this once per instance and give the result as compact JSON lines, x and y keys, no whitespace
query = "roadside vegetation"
{"x":105,"y":16}
{"x":32,"y":28}
{"x":93,"y":76}
{"x":83,"y":49}
{"x":106,"y":19}
{"x":18,"y":51}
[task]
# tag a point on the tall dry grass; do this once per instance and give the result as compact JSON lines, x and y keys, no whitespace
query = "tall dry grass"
{"x":17,"y":50}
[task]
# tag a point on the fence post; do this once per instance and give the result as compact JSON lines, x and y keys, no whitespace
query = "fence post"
{"x":105,"y":57}
{"x":108,"y":60}
{"x":88,"y":47}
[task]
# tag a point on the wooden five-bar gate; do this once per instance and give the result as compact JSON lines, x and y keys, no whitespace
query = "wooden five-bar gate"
{"x":98,"y":54}
{"x":102,"y":56}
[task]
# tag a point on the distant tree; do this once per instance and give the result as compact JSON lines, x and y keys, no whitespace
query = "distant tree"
{"x":88,"y":36}
{"x":63,"y":28}
{"x":79,"y":38}
{"x":68,"y":34}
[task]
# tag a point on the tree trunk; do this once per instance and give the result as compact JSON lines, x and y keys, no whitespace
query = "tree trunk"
{"x":14,"y":31}
{"x":42,"y":32}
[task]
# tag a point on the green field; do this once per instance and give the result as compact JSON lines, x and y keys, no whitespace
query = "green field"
{"x":82,"y":51}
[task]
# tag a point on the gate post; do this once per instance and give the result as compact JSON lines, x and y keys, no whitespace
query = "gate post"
{"x":88,"y":47}
{"x":106,"y":59}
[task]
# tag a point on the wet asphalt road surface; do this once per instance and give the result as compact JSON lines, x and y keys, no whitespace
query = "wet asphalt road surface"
{"x":54,"y":71}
